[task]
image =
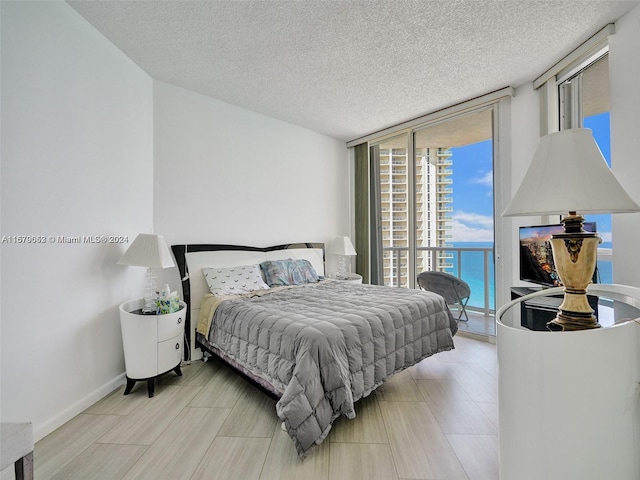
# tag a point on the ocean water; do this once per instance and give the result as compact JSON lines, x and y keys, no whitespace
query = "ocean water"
{"x":472,"y":271}
{"x":605,"y":269}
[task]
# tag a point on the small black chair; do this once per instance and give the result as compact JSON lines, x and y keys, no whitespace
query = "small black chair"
{"x":453,"y":289}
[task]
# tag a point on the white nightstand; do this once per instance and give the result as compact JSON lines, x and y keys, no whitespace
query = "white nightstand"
{"x":153,"y":344}
{"x":348,"y":277}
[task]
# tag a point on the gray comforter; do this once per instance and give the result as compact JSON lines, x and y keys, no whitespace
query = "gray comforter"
{"x":329,"y":344}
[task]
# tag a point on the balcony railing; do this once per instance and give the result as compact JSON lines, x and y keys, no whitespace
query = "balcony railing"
{"x":395,"y":258}
{"x":483,"y":303}
{"x":444,"y":153}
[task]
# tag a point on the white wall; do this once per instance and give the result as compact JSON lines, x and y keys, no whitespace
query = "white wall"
{"x":624,"y":71}
{"x":525,"y":132}
{"x":224,"y":174}
{"x":77,"y":159}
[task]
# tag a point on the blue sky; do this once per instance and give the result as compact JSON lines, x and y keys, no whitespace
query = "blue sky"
{"x":599,"y":124}
{"x":473,"y":187}
{"x":473,"y":193}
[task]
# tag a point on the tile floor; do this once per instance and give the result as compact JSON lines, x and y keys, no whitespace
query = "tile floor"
{"x":479,"y":324}
{"x":436,"y":420}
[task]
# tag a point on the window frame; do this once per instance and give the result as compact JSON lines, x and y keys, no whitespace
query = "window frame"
{"x":552,"y":117}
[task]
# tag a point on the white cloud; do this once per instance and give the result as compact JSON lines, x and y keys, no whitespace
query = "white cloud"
{"x":464,"y":233}
{"x":486,"y":180}
{"x":473,"y":219}
{"x":472,"y":227}
{"x":605,"y":236}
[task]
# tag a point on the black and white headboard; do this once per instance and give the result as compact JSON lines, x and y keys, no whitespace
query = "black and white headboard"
{"x":191,"y":259}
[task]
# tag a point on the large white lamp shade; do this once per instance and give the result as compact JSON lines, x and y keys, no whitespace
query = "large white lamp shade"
{"x":342,"y":246}
{"x":148,"y":250}
{"x":569,"y":174}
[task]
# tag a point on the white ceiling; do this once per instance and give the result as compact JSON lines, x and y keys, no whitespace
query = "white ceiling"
{"x":347,"y":68}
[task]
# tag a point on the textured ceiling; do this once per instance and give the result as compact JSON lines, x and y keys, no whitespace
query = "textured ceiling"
{"x":347,"y":68}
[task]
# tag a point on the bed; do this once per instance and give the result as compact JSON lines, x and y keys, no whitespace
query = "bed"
{"x":317,"y":345}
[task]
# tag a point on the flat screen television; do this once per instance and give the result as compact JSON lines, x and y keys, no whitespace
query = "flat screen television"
{"x":536,"y":256}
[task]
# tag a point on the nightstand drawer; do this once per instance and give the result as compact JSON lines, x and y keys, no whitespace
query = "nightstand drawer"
{"x":169,"y":354}
{"x":170,"y":324}
{"x":152,"y":343}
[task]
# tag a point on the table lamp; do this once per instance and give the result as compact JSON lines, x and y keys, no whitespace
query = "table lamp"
{"x":342,"y":247}
{"x":151,"y":251}
{"x":569,"y":176}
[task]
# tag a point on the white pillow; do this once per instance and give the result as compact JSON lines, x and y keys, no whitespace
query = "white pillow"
{"x":234,"y":280}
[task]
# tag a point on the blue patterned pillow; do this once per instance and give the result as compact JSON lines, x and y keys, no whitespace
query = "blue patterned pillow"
{"x":289,"y":272}
{"x":235,"y":280}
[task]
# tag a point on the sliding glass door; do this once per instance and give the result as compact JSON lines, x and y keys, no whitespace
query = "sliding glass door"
{"x":434,"y":206}
{"x":454,"y":203}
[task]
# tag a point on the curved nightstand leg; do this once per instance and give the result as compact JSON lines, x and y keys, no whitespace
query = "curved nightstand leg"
{"x":178,"y":371}
{"x":150,"y":387}
{"x":129,"y":387}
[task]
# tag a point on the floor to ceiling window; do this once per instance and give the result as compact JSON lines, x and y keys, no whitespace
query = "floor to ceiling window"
{"x":584,"y":102}
{"x":574,"y":93}
{"x":394,"y":182}
{"x":435,"y":207}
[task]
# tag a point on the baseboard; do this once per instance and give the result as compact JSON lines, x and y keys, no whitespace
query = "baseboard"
{"x":41,"y":431}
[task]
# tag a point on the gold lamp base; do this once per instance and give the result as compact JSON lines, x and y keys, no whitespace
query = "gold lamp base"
{"x":575,"y":253}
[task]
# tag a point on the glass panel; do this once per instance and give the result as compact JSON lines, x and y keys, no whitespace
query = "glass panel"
{"x":454,"y":207}
{"x":423,"y":225}
{"x":394,"y":209}
{"x":595,"y":93}
{"x":596,"y":116}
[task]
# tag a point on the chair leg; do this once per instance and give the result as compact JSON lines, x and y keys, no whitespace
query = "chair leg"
{"x":463,"y":310}
{"x":463,"y":307}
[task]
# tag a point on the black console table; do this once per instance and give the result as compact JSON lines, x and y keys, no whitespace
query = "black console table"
{"x":535,"y":313}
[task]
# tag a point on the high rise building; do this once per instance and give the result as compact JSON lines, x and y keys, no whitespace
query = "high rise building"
{"x":432,"y":191}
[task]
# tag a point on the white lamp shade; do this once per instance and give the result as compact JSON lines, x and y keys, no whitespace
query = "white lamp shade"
{"x":148,"y":250}
{"x":342,"y":246}
{"x":569,"y":174}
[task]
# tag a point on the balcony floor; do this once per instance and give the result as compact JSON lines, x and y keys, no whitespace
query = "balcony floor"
{"x":478,"y":323}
